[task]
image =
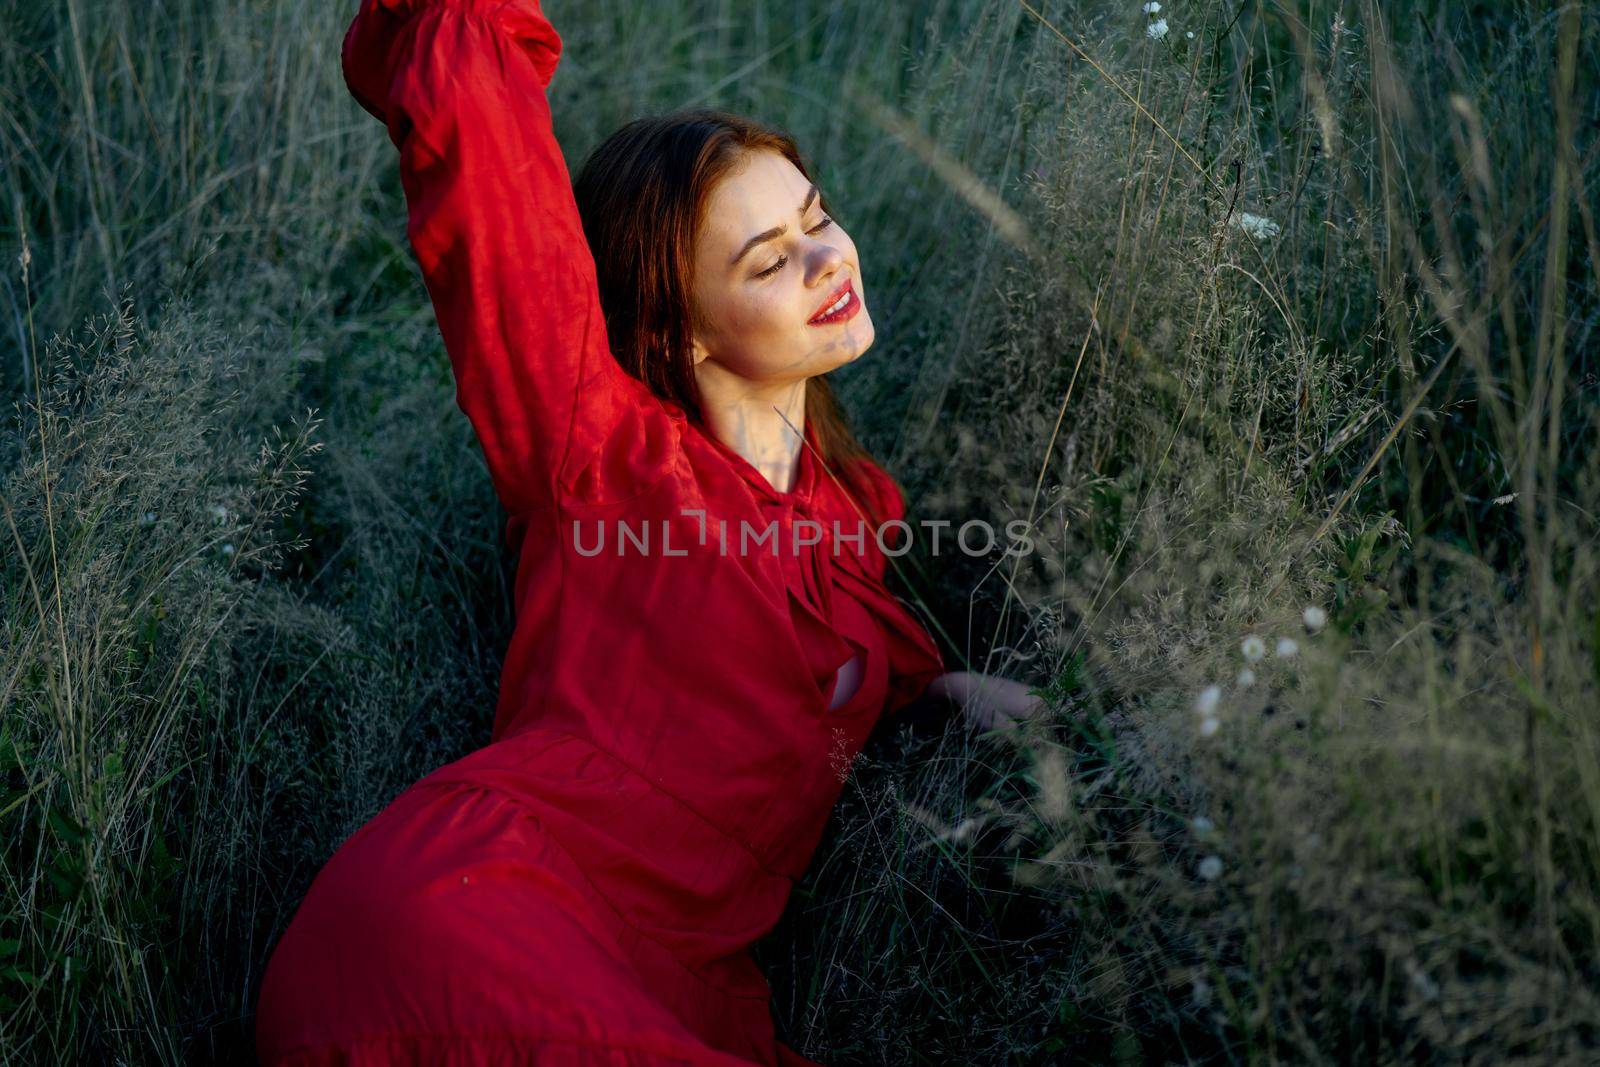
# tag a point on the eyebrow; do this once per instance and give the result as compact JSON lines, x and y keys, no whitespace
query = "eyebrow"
{"x":776,"y":231}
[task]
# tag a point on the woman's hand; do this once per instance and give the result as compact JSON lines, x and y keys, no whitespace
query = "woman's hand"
{"x":987,"y":701}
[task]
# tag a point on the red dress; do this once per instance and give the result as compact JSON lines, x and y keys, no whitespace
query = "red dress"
{"x":586,"y":888}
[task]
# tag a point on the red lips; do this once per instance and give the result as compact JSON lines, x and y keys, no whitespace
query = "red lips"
{"x":833,"y":298}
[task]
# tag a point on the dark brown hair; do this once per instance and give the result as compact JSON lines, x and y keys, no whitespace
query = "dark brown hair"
{"x":641,"y":195}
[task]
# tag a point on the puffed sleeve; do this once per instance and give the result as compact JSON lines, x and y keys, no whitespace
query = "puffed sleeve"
{"x":461,"y":87}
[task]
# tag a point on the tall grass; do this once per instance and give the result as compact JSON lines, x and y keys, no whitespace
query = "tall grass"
{"x":1382,"y":846}
{"x":255,"y":583}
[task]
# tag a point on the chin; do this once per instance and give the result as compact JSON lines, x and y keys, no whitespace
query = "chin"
{"x":846,"y":348}
{"x":850,"y":355}
{"x":867,"y":334}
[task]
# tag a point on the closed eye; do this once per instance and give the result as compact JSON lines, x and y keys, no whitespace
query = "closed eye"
{"x":824,"y":224}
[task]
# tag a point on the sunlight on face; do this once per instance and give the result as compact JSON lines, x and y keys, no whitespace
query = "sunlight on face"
{"x":757,"y":308}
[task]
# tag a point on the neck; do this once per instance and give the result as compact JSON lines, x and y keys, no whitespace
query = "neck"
{"x":762,"y":424}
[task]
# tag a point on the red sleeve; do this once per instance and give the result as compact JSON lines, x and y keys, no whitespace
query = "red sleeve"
{"x":460,"y":84}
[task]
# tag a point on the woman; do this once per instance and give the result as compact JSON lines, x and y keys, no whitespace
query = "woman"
{"x":678,"y":712}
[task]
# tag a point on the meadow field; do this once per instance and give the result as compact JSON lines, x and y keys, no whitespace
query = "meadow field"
{"x":1277,"y":320}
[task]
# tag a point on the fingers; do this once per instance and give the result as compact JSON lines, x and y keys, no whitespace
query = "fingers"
{"x":991,"y":702}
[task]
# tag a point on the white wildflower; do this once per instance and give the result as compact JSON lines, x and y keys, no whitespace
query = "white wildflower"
{"x":1315,"y":618}
{"x":1253,"y":648}
{"x":1287,"y":647}
{"x":227,"y":550}
{"x":1189,"y":35}
{"x":1156,"y":30}
{"x":1211,"y":868}
{"x":1206,"y":702}
{"x":1258,"y":226}
{"x":1210,"y":725}
{"x":1152,"y":8}
{"x":1247,"y":678}
{"x":219,"y":513}
{"x":1201,"y":825}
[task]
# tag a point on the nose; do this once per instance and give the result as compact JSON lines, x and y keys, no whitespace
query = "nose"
{"x":825,"y":259}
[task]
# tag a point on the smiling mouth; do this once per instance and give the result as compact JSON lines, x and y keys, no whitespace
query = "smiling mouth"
{"x":842,"y":301}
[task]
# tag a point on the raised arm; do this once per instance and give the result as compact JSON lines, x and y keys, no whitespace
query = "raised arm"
{"x":460,"y":84}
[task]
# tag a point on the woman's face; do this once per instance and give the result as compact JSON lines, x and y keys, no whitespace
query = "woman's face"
{"x":768,"y":262}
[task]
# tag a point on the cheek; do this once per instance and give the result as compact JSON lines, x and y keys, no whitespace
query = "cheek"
{"x":745,"y":327}
{"x":760,"y":310}
{"x":732,"y":315}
